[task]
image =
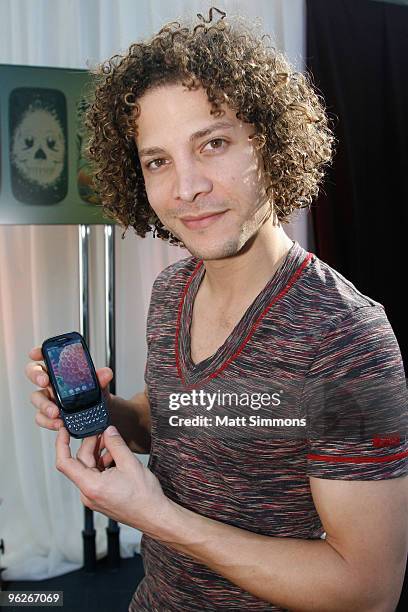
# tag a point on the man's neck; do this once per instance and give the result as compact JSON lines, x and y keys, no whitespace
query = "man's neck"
{"x":228,"y":280}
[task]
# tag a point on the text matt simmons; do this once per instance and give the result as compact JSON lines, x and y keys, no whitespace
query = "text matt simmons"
{"x":242,"y":421}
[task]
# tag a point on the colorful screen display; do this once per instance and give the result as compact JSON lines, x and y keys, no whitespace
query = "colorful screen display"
{"x":71,"y":369}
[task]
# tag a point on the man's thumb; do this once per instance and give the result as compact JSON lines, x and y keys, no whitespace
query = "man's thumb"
{"x":112,"y":431}
{"x":116,"y":445}
{"x":104,"y":375}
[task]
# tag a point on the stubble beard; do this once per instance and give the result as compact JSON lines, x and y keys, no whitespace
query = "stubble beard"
{"x":232,"y":246}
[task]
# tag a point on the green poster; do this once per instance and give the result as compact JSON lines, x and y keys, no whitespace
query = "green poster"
{"x":44,"y":175}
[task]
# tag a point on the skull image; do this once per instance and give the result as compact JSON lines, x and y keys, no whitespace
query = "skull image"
{"x":38,"y":147}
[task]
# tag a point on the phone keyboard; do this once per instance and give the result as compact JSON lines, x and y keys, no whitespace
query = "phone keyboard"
{"x":87,"y":419}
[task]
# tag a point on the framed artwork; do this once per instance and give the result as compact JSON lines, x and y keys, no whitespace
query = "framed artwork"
{"x":45,"y":177}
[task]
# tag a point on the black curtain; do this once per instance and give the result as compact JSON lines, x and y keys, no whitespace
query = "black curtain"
{"x":357,"y":52}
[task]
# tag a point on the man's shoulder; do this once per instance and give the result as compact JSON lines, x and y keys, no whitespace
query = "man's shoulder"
{"x":174,"y":277}
{"x":331,"y":295}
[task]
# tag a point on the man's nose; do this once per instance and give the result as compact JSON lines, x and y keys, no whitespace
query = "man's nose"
{"x":190,"y":180}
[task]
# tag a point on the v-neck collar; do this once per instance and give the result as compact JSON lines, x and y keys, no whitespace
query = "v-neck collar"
{"x":284,"y":277}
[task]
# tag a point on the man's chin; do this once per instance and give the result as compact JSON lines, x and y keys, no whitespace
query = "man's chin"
{"x":214,"y":252}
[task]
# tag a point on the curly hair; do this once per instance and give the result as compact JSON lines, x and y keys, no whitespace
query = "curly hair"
{"x":233,"y":66}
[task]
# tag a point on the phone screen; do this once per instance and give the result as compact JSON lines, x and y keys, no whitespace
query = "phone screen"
{"x":71,"y":369}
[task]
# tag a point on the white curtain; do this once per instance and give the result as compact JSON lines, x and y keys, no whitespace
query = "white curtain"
{"x":41,"y":516}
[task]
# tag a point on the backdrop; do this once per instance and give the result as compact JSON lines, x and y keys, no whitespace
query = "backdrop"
{"x":41,"y":516}
{"x":358,"y":54}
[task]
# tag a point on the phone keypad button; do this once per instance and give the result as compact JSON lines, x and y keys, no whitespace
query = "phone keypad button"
{"x":87,"y":419}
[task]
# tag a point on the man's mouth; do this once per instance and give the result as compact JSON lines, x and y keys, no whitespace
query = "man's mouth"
{"x":201,"y":221}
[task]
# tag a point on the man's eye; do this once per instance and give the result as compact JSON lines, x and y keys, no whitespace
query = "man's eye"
{"x":218,"y":142}
{"x":155,"y":161}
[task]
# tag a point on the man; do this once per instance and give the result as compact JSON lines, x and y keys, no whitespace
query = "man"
{"x":268,"y":373}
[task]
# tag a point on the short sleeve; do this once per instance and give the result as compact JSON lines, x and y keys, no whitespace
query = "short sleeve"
{"x":355,"y":401}
{"x":152,"y":320}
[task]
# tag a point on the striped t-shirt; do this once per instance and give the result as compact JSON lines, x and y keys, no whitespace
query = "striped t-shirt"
{"x":309,"y":383}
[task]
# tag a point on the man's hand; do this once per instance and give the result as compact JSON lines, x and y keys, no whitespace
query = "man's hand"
{"x":47,"y":414}
{"x":131,"y":417}
{"x":128,"y":493}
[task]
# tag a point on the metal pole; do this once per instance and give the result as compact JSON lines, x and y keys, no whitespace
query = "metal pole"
{"x":88,"y":533}
{"x":112,"y":529}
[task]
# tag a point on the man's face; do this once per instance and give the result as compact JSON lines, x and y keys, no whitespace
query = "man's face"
{"x":201,"y":172}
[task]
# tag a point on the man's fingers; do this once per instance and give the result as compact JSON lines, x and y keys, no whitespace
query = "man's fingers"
{"x":65,"y":463}
{"x":36,"y":354}
{"x":104,"y":375}
{"x":115,"y":444}
{"x":37,"y":373}
{"x":43,"y":421}
{"x":62,"y":446}
{"x":88,"y":451}
{"x":47,"y":412}
{"x":42,"y":401}
{"x":105,"y":460}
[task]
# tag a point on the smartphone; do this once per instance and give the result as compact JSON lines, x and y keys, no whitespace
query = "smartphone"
{"x":83,"y":407}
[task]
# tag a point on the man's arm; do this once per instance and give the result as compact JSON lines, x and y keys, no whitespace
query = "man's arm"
{"x":132,"y":419}
{"x":358,"y":568}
